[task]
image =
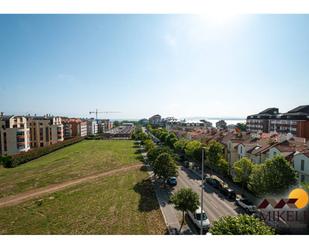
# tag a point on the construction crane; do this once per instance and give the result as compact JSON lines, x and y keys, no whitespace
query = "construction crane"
{"x":97,"y":112}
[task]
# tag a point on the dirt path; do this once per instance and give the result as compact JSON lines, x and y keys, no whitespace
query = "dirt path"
{"x":22,"y":197}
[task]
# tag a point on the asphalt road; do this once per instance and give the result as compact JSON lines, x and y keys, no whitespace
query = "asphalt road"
{"x":215,"y":204}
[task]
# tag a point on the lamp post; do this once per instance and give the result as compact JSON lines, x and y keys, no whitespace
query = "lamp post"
{"x":202,"y":191}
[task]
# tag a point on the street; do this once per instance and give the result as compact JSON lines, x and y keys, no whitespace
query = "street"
{"x":214,"y":203}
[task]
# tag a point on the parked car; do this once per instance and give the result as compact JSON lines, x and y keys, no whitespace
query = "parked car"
{"x":172,"y":181}
{"x":246,"y":204}
{"x":199,"y":215}
{"x":214,"y":182}
{"x":229,"y":193}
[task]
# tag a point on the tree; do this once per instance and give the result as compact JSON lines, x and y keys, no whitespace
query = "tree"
{"x":223,"y":166}
{"x":171,"y":139}
{"x":116,"y":123}
{"x":241,"y":171}
{"x":241,"y":126}
{"x":155,"y":152}
{"x":274,"y":176}
{"x":214,"y":153}
{"x":185,"y":200}
{"x":193,"y":150}
{"x":180,"y":145}
{"x":164,"y":166}
{"x":149,"y":144}
{"x":240,"y":225}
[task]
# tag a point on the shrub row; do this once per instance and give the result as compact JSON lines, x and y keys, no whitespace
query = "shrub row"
{"x":13,"y":161}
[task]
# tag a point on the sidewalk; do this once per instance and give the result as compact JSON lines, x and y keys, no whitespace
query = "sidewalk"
{"x":168,"y":211}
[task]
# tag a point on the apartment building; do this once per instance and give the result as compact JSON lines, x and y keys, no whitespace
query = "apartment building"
{"x":92,"y":127}
{"x":261,"y":122}
{"x":155,"y":120}
{"x":301,"y":165}
{"x":104,"y":125}
{"x":295,"y":121}
{"x":74,"y":127}
{"x":14,"y":135}
{"x":44,"y":130}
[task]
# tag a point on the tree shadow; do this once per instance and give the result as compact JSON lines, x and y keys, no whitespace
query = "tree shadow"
{"x":148,"y":201}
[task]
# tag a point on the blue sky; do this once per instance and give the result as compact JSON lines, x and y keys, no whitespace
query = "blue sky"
{"x":139,"y":65}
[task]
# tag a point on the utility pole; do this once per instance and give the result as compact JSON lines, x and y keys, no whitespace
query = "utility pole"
{"x":202,"y":192}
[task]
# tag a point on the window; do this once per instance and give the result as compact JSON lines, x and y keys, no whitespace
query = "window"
{"x":302,"y":165}
{"x":41,"y":144}
{"x":240,"y":149}
{"x":302,"y":178}
{"x":275,"y":153}
{"x":41,"y":134}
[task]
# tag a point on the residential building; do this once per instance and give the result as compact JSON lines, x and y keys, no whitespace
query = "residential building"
{"x":104,"y":125}
{"x":221,"y":124}
{"x":92,"y":126}
{"x":44,"y":130}
{"x":261,"y":122}
{"x":74,"y":127}
{"x":301,"y":165}
{"x":155,"y":120}
{"x":14,"y":135}
{"x":295,"y":121}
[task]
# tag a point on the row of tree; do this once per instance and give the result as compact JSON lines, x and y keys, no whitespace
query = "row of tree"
{"x":272,"y":177}
{"x":192,"y":150}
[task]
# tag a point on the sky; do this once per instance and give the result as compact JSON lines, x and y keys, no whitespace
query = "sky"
{"x":140,"y":65}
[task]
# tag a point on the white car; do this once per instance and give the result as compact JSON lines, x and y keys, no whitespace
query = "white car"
{"x":197,"y":216}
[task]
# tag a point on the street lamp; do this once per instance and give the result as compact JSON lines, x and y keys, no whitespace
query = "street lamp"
{"x":202,"y":192}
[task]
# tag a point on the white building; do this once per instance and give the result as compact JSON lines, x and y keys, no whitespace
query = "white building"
{"x":92,"y":127}
{"x":301,"y":165}
{"x":14,"y":135}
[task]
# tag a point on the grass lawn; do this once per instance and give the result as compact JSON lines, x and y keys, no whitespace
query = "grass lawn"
{"x":120,"y":204}
{"x":84,"y":158}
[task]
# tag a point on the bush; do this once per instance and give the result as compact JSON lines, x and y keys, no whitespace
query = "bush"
{"x":13,"y":161}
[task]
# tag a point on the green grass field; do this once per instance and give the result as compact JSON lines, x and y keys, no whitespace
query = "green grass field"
{"x":121,"y":204}
{"x":81,"y":159}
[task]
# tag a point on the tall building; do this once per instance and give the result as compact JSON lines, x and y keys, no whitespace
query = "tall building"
{"x":92,"y":126}
{"x":44,"y":130}
{"x":295,"y":121}
{"x":261,"y":121}
{"x":14,"y":135}
{"x":155,"y":119}
{"x":104,"y":125}
{"x":74,"y":127}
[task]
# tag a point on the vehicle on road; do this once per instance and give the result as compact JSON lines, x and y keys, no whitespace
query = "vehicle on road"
{"x":229,"y":193}
{"x":214,"y":182}
{"x":199,"y":215}
{"x":172,"y":181}
{"x":246,"y":204}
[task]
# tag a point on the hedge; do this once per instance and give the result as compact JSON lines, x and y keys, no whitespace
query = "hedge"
{"x":18,"y":159}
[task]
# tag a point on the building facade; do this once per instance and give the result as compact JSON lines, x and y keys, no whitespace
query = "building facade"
{"x":155,"y":120}
{"x":74,"y":127}
{"x":261,"y":122}
{"x":14,"y":135}
{"x":44,"y":130}
{"x":92,"y":127}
